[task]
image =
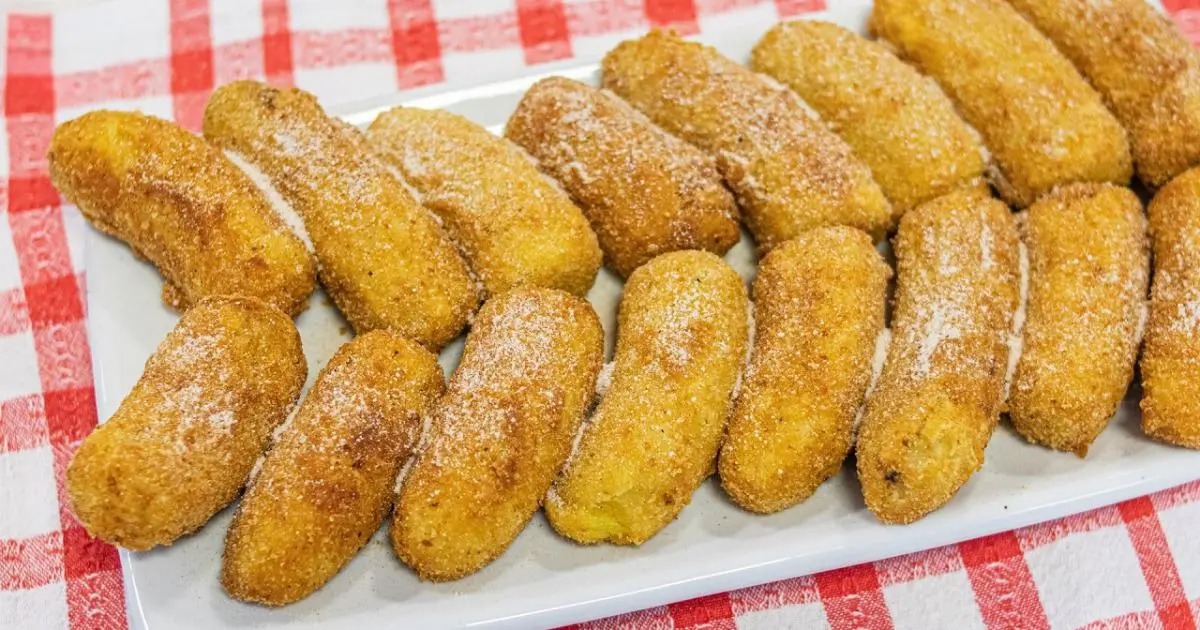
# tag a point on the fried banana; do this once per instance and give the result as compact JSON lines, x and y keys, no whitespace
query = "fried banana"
{"x":1041,"y":121}
{"x":654,"y":437}
{"x":328,"y":482}
{"x":181,"y":204}
{"x":1169,"y":366}
{"x":819,"y":303}
{"x":644,"y":191}
{"x":515,"y":228}
{"x":788,"y":171}
{"x":937,"y":400}
{"x":383,"y":258}
{"x":899,"y":122}
{"x":501,"y":432}
{"x":181,"y":444}
{"x":1137,"y":58}
{"x":1089,"y":264}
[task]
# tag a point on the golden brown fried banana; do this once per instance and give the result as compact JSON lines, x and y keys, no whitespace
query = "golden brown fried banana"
{"x":328,"y":482}
{"x":1136,"y":58}
{"x":654,"y":438}
{"x":1089,"y":264}
{"x":516,"y":228}
{"x":180,"y":446}
{"x":644,"y":191}
{"x":1041,"y":121}
{"x":181,"y":204}
{"x":384,"y":260}
{"x":899,"y":122}
{"x":937,"y":401}
{"x":500,"y":434}
{"x":1169,"y":366}
{"x":789,"y":172}
{"x":819,"y":303}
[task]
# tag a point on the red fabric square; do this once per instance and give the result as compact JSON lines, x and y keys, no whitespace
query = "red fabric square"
{"x":70,"y":414}
{"x":712,"y":612}
{"x":994,"y":548}
{"x":22,"y":423}
{"x":543,"y":27}
{"x":678,"y":13}
{"x":29,"y":95}
{"x":84,"y":555}
{"x":847,"y":581}
{"x":64,"y":360}
{"x":31,"y":193}
{"x":54,"y":301}
{"x":788,"y":8}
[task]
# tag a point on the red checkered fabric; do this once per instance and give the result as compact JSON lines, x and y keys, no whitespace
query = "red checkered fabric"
{"x":1133,"y":565}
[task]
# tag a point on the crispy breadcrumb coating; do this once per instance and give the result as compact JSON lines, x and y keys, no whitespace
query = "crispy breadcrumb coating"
{"x":180,"y":446}
{"x":683,"y":331}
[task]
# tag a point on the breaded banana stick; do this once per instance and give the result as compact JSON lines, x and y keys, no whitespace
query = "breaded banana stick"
{"x":328,"y":482}
{"x":516,"y":228}
{"x":1137,"y":58}
{"x":384,"y":260}
{"x":1170,"y":369}
{"x":654,"y":438}
{"x":180,"y":446}
{"x":1041,"y":121}
{"x":1089,"y":264}
{"x":181,"y":204}
{"x":937,"y":400}
{"x":501,"y":432}
{"x":899,"y":122}
{"x":789,"y":172}
{"x":644,"y":191}
{"x":819,"y":304}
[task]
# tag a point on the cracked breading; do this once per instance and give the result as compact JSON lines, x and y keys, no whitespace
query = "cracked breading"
{"x":184,"y":206}
{"x":383,"y":258}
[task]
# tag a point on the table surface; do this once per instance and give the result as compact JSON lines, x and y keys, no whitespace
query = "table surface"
{"x":1136,"y":564}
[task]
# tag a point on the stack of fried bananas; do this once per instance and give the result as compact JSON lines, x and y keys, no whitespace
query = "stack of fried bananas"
{"x":825,"y":144}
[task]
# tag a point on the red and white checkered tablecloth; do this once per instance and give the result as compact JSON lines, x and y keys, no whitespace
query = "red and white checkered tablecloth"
{"x":1133,"y":565}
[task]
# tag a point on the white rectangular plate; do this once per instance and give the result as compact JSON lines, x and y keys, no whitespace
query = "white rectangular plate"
{"x":544,"y":580}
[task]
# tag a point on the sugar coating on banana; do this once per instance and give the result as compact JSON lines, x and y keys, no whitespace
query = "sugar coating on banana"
{"x":788,"y":171}
{"x":327,"y":483}
{"x":819,"y":304}
{"x":1089,"y":265}
{"x":384,"y":259}
{"x":500,"y":434}
{"x":1169,"y":368}
{"x":897,"y":121}
{"x":182,"y":443}
{"x":1146,"y":69}
{"x":937,"y":401}
{"x":514,"y":227}
{"x":644,"y":191}
{"x":181,"y":204}
{"x":1043,"y":125}
{"x":683,"y":331}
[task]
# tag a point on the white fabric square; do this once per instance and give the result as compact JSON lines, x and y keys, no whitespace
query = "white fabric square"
{"x":478,"y":9}
{"x":10,"y":272}
{"x":347,"y":84}
{"x":235,"y":21}
{"x":1088,"y":576}
{"x":464,"y":69}
{"x":1179,"y":525}
{"x":338,"y":16}
{"x":938,"y":601}
{"x":83,"y":36}
{"x":807,"y":616}
{"x":76,"y":228}
{"x":28,"y":499}
{"x":39,"y":608}
{"x":18,"y":371}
